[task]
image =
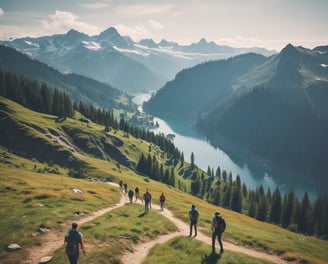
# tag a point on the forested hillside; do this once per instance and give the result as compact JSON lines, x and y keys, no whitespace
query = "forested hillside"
{"x":275,"y":107}
{"x":78,"y":87}
{"x":69,"y":134}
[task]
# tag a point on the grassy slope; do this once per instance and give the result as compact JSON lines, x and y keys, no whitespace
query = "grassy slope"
{"x":182,"y":250}
{"x":22,"y":187}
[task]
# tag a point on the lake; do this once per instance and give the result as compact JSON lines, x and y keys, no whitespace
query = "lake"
{"x":252,"y":171}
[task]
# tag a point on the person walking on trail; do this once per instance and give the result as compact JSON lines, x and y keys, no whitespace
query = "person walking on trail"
{"x":73,"y":240}
{"x":121,"y":185}
{"x":147,"y":198}
{"x":162,"y":200}
{"x":136,"y":193}
{"x":218,"y":227}
{"x":125,"y":185}
{"x":193,"y":217}
{"x":130,"y":194}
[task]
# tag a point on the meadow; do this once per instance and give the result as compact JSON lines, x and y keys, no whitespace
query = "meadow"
{"x":32,"y":197}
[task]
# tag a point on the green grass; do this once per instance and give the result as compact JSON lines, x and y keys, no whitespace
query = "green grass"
{"x":30,"y":200}
{"x":108,"y":236}
{"x":181,"y":250}
{"x":241,"y":229}
{"x":25,"y":184}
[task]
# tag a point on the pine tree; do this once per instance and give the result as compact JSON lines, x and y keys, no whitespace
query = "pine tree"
{"x":192,"y":159}
{"x":304,"y":217}
{"x":142,"y":164}
{"x":318,"y":219}
{"x":218,"y":172}
{"x":182,"y":160}
{"x":172,"y":177}
{"x":236,"y":200}
{"x":276,"y":207}
{"x":227,"y":196}
{"x":289,"y":210}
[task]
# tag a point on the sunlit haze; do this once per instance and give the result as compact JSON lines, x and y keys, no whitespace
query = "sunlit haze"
{"x":271,"y":24}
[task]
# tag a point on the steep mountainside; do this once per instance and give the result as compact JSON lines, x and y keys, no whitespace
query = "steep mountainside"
{"x":276,"y":107}
{"x":42,"y":137}
{"x":195,"y":89}
{"x":119,"y":61}
{"x":77,"y":86}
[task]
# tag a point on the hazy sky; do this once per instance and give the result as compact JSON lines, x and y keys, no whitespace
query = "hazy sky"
{"x":240,"y":23}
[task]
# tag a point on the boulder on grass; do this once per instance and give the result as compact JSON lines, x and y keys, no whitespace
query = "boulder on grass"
{"x":13,"y":247}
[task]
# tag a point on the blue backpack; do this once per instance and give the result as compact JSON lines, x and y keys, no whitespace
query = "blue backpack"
{"x":73,"y":240}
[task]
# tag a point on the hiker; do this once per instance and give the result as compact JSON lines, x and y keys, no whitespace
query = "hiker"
{"x":147,"y":198}
{"x":218,"y":227}
{"x":130,"y":194}
{"x":162,"y":200}
{"x":193,"y":217}
{"x":121,"y":185}
{"x":136,"y":192}
{"x":125,"y":185}
{"x":73,"y":240}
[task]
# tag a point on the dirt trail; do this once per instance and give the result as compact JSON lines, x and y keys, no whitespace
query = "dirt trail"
{"x":140,"y":251}
{"x":54,"y":241}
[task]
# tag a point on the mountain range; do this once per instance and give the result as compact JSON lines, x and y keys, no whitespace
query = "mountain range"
{"x":78,"y":87}
{"x":274,"y":106}
{"x":118,"y":60}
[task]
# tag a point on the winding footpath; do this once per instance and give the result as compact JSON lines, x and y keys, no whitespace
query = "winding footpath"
{"x":54,"y":241}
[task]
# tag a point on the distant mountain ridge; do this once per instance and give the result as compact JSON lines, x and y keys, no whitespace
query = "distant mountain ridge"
{"x":119,"y":61}
{"x":80,"y":88}
{"x":275,"y":106}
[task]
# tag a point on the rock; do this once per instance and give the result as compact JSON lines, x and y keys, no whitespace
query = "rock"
{"x":45,"y":259}
{"x":13,"y":247}
{"x":43,"y":230}
{"x":37,"y":205}
{"x":78,"y":191}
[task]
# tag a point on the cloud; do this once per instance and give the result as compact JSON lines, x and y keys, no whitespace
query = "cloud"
{"x":136,"y":32}
{"x":97,"y":5}
{"x":156,"y":25}
{"x":63,"y":21}
{"x":142,"y":9}
{"x":1,"y":12}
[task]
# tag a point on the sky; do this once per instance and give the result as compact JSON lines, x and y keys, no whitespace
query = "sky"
{"x":271,"y":24}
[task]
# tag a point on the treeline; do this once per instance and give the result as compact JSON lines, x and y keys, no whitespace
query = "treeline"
{"x":219,"y":188}
{"x":44,"y":99}
{"x":34,"y":96}
{"x":285,"y":210}
{"x":155,"y":170}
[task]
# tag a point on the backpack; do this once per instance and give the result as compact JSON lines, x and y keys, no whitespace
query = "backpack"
{"x":219,"y":223}
{"x":194,"y":215}
{"x":162,"y":198}
{"x":73,"y":241}
{"x":147,"y":196}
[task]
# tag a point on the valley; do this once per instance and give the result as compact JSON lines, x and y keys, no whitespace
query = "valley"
{"x":239,"y":130}
{"x":253,"y":170}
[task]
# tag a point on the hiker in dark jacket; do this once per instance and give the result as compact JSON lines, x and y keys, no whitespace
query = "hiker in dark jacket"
{"x":162,"y":199}
{"x":136,"y":193}
{"x":193,"y":217}
{"x":130,"y":194}
{"x":218,"y":227}
{"x":147,"y":198}
{"x":73,"y":240}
